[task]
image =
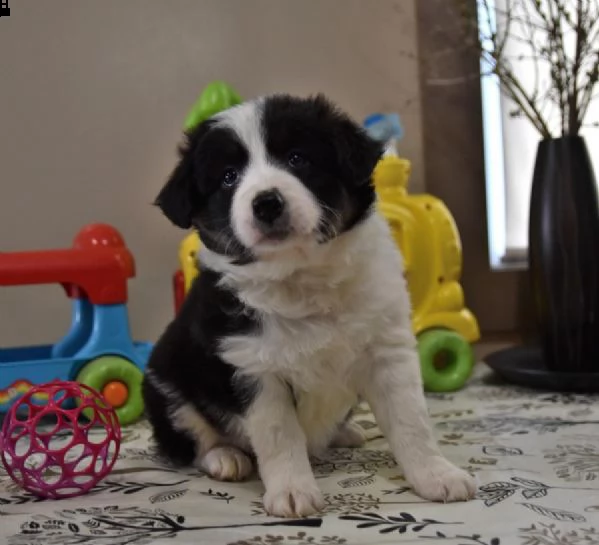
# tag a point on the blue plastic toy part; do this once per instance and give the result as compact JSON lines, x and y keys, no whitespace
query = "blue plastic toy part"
{"x":109,"y":333}
{"x":384,"y":127}
{"x":96,"y":331}
{"x":81,"y":324}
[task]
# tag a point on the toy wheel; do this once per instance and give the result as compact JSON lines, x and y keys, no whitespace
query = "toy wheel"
{"x":446,"y":360}
{"x":119,"y":381}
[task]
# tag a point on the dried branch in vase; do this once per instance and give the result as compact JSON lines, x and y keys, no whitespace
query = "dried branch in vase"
{"x":557,"y":44}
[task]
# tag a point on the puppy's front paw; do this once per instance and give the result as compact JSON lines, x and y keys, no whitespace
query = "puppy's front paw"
{"x":226,"y":464}
{"x":436,"y":479}
{"x":293,"y":500}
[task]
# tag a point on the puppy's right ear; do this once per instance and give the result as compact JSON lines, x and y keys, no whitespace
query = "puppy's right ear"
{"x":178,"y":197}
{"x":175,"y":198}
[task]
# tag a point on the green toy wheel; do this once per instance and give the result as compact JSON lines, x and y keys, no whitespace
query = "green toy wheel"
{"x":119,"y":381}
{"x":446,"y":360}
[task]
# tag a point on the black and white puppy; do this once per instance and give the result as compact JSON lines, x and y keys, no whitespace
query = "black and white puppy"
{"x":300,"y":308}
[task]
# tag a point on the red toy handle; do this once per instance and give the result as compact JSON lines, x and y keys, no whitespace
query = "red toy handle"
{"x":178,"y":289}
{"x":99,"y":264}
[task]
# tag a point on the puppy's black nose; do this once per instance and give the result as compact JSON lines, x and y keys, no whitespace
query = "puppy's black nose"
{"x":268,"y":206}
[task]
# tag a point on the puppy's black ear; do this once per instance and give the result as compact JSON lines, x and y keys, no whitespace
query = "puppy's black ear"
{"x":359,"y":153}
{"x":178,"y":197}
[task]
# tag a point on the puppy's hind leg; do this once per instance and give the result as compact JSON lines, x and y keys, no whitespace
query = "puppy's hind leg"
{"x":213,"y":455}
{"x":226,"y":464}
{"x":348,"y":435}
{"x":185,"y":437}
{"x":175,"y":445}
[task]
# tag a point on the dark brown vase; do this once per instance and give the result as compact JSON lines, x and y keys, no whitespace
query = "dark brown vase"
{"x":564,"y":255}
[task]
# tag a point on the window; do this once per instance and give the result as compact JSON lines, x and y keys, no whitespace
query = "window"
{"x":510,"y":152}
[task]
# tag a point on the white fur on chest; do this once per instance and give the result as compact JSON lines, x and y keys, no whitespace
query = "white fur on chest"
{"x":318,"y":321}
{"x":307,"y":353}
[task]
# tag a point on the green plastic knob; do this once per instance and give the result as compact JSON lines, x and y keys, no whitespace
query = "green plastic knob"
{"x":216,"y":97}
{"x":99,"y":373}
{"x":446,"y":360}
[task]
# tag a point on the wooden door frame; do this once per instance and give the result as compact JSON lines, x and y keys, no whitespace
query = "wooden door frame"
{"x":455,"y":167}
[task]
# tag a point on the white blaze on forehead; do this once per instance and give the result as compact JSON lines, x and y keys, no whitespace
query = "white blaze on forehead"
{"x":304,"y":211}
{"x":245,"y":120}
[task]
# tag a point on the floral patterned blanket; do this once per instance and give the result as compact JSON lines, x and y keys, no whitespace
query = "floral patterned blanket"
{"x":536,"y":456}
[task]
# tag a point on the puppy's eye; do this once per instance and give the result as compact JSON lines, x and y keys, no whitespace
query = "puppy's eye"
{"x":230,"y":177}
{"x":298,"y":160}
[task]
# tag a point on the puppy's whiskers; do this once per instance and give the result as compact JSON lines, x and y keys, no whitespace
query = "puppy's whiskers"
{"x":227,"y":245}
{"x":328,"y":225}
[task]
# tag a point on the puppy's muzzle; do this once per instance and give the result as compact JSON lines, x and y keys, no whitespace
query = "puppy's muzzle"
{"x":271,"y":214}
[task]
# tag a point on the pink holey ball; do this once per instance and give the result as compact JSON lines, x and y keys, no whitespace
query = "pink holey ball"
{"x":60,"y":439}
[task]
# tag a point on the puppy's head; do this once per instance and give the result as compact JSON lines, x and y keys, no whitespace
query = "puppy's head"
{"x":272,"y":173}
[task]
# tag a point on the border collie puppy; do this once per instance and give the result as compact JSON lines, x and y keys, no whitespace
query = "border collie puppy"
{"x":300,"y":308}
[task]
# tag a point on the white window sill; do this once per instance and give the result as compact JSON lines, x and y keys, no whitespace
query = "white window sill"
{"x":514,"y":259}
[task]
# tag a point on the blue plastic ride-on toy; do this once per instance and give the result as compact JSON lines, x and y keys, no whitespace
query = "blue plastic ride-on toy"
{"x":98,"y":350}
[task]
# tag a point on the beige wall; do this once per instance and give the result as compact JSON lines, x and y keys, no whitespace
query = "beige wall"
{"x":93,"y":95}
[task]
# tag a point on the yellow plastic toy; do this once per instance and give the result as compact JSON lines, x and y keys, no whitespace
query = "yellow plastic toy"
{"x":428,"y":238}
